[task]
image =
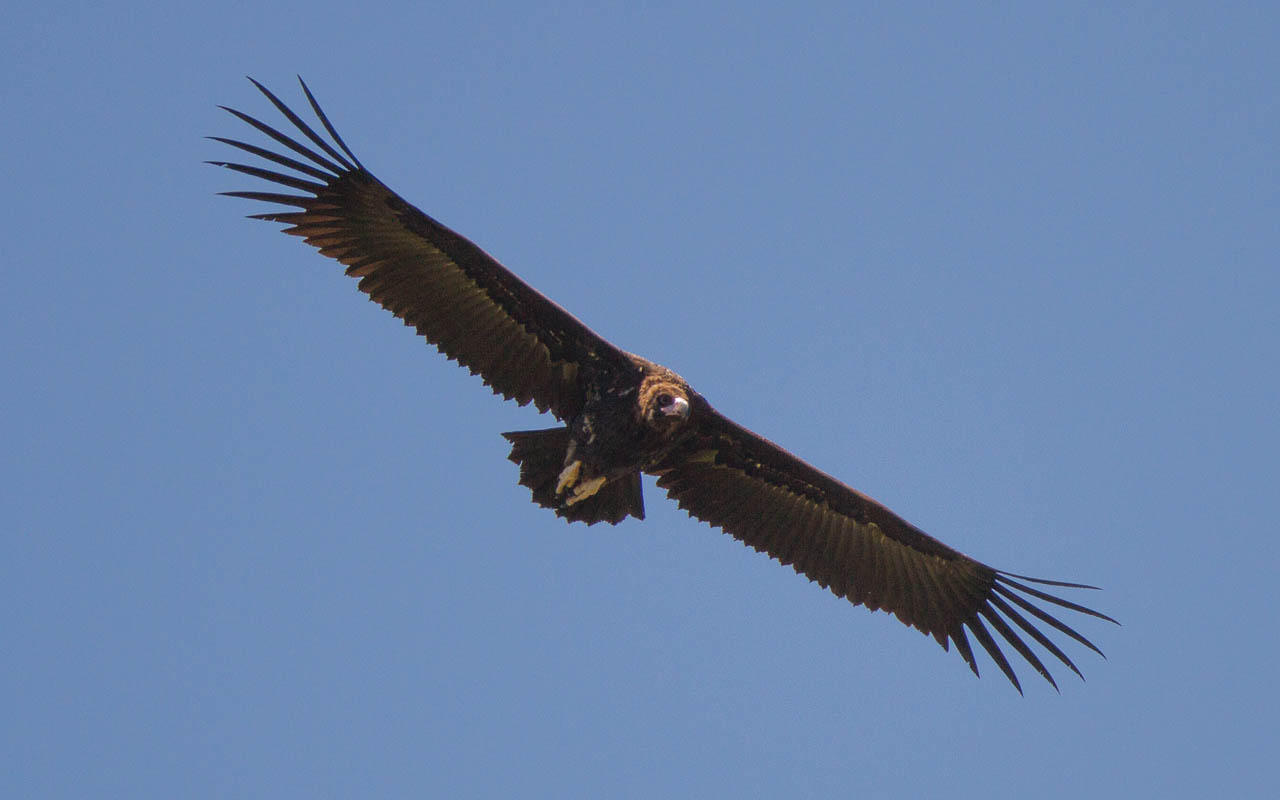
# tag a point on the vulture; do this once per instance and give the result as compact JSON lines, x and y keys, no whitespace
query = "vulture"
{"x":623,"y":415}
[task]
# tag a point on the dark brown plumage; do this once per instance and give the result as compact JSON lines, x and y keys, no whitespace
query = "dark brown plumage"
{"x":625,"y":415}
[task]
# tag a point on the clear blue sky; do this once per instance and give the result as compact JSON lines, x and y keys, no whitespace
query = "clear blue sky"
{"x":1012,"y":272}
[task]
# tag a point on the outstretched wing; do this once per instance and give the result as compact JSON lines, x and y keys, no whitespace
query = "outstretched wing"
{"x":459,"y":297}
{"x":845,"y":541}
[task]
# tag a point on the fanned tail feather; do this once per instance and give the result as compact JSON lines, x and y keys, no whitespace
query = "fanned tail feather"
{"x":541,"y":456}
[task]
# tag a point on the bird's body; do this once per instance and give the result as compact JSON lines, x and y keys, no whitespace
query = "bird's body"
{"x":623,"y":415}
{"x":630,"y":422}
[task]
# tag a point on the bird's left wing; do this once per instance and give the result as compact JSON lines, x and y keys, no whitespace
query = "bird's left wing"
{"x":456,"y":295}
{"x":769,"y":499}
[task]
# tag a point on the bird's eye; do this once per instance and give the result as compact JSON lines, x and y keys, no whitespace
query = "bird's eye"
{"x":664,"y":399}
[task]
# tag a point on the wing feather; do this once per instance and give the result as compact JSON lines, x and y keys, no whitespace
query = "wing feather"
{"x":834,"y":555}
{"x":983,"y":636}
{"x":774,"y":502}
{"x":474,"y":310}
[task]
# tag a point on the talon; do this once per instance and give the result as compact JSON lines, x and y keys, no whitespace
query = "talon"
{"x":568,"y":476}
{"x":585,"y":489}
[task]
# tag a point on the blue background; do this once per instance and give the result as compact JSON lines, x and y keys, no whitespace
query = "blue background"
{"x":1012,"y":271}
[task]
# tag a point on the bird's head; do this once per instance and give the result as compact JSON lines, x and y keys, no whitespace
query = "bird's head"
{"x":664,"y":404}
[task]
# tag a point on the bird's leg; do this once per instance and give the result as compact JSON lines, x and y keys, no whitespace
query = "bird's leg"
{"x":581,"y":490}
{"x":569,"y":476}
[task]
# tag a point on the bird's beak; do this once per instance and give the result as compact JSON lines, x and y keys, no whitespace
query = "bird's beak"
{"x":678,"y":407}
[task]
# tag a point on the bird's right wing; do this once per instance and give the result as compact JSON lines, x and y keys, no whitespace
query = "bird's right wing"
{"x":460,"y":298}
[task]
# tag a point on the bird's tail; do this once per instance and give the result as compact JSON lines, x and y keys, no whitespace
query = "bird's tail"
{"x":541,"y":456}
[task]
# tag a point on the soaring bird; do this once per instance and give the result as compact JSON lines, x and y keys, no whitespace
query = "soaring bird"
{"x":623,"y":415}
